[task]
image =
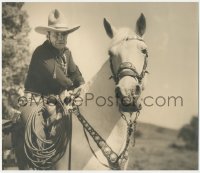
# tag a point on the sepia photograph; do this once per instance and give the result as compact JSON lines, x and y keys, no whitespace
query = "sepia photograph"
{"x":100,"y":86}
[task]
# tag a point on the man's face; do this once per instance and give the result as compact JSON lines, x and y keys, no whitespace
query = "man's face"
{"x":58,"y":39}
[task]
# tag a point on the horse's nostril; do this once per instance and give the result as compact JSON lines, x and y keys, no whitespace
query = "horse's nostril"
{"x":137,"y":90}
{"x":117,"y":92}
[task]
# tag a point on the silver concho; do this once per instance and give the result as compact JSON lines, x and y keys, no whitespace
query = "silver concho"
{"x":120,"y":161}
{"x":102,"y":144}
{"x":107,"y":150}
{"x":113,"y":157}
{"x":93,"y":133}
{"x":124,"y":161}
{"x":126,"y":155}
{"x":97,"y":138}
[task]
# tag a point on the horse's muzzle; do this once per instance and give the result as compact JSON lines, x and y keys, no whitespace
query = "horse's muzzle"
{"x":129,"y":103}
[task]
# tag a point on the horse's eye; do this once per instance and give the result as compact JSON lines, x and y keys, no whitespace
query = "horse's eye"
{"x":110,"y":53}
{"x":144,"y":51}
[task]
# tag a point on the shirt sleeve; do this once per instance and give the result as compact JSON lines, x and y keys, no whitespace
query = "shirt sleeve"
{"x":56,"y":73}
{"x":74,"y":73}
{"x":52,"y":72}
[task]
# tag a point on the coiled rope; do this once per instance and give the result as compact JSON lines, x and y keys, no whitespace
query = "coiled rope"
{"x":41,"y":152}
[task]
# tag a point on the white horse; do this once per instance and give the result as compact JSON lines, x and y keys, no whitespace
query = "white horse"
{"x":108,"y":116}
{"x":109,"y":107}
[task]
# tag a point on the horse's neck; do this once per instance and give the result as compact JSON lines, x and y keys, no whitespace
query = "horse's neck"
{"x":100,"y":83}
{"x":105,"y":119}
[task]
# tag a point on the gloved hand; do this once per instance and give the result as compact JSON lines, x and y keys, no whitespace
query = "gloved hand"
{"x":66,"y":98}
{"x":65,"y":94}
{"x":78,"y":90}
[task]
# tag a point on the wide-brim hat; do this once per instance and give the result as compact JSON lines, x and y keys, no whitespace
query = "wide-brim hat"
{"x":56,"y":22}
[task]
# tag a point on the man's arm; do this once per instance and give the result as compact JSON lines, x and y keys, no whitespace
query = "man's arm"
{"x":74,"y":73}
{"x":49,"y":68}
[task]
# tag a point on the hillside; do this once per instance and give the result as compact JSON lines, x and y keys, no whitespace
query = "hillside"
{"x":153,"y":152}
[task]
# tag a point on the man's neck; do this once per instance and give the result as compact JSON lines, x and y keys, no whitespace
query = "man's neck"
{"x":60,"y":51}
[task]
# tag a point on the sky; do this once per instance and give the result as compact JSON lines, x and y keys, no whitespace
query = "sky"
{"x":171,"y":37}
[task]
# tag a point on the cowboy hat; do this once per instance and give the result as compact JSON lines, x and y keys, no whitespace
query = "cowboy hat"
{"x":55,"y":23}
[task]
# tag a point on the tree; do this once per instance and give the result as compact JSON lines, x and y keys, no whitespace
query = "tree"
{"x":15,"y":50}
{"x":189,"y":133}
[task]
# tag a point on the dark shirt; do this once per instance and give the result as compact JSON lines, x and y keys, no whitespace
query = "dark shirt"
{"x":46,"y":75}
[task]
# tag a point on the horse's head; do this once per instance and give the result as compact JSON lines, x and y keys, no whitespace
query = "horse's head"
{"x":128,"y":61}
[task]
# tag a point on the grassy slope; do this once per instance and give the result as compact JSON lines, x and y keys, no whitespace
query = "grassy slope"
{"x":152,"y":151}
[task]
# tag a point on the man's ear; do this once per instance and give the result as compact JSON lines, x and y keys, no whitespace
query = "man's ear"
{"x":48,"y":35}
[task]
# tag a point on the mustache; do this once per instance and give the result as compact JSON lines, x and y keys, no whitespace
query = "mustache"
{"x":60,"y":43}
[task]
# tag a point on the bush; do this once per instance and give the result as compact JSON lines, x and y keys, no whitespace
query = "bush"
{"x":138,"y":133}
{"x":160,"y":130}
{"x":15,"y":53}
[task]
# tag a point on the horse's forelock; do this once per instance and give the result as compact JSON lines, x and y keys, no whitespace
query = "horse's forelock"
{"x":123,"y":33}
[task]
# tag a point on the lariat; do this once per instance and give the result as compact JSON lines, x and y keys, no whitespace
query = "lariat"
{"x":43,"y":153}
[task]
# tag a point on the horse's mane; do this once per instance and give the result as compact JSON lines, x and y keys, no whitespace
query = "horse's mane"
{"x":101,"y":85}
{"x":100,"y":81}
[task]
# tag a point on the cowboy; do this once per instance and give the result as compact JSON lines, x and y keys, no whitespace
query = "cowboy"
{"x":52,"y":69}
{"x":52,"y":72}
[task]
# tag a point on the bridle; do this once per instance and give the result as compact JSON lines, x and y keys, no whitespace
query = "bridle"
{"x":127,"y":68}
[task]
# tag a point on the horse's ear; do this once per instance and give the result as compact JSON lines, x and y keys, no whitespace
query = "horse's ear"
{"x":110,"y":30}
{"x":141,"y":25}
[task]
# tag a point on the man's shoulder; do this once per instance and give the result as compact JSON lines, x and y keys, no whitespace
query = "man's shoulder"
{"x":41,"y":51}
{"x":41,"y":47}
